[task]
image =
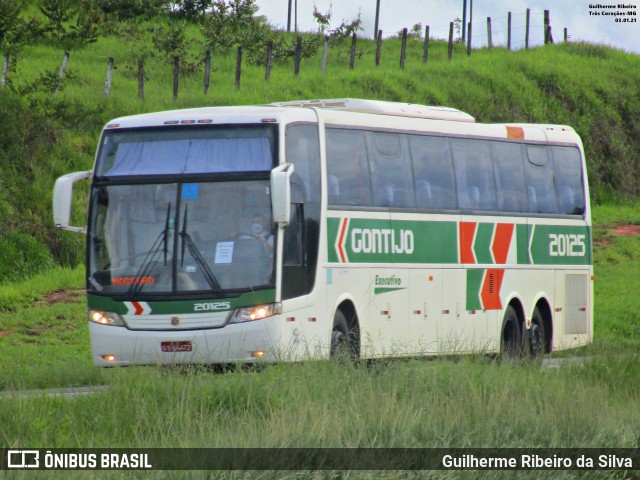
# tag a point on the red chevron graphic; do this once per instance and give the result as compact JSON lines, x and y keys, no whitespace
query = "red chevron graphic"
{"x":342,"y":240}
{"x":491,"y":285}
{"x":139,"y":308}
{"x":467,"y":231}
{"x":502,"y":241}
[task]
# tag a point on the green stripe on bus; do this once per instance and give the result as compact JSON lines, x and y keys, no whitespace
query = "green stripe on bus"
{"x":560,"y":245}
{"x":379,"y":290}
{"x":99,"y":302}
{"x":360,"y":240}
{"x":396,"y":241}
{"x":474,"y":284}
{"x":482,"y":244}
{"x":522,"y":245}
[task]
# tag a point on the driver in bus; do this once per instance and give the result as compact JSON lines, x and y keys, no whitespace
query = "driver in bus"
{"x":259,"y":232}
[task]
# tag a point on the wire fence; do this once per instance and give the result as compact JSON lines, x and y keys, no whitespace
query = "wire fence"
{"x":479,"y":34}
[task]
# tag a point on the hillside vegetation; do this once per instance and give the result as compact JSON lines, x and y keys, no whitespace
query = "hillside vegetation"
{"x":49,"y":128}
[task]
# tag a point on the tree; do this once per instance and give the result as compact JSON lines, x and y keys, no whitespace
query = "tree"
{"x":58,"y":12}
{"x":231,"y":23}
{"x":9,"y":11}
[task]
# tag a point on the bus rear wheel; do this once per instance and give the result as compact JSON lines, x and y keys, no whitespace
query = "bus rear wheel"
{"x":510,"y":344}
{"x":537,"y":337}
{"x":343,"y":346}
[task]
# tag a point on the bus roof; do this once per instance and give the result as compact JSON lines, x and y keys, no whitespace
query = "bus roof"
{"x":380,"y":107}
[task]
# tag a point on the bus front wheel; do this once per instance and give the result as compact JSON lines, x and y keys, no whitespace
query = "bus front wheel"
{"x":342,"y":339}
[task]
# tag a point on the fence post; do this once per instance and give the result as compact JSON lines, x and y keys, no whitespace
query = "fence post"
{"x":207,"y":71}
{"x":238,"y":67}
{"x":107,"y":83}
{"x":489,"y":39}
{"x":566,"y":36}
{"x":325,"y":53}
{"x":267,"y":72}
{"x":289,"y":17}
{"x":141,"y":79}
{"x":546,"y":27}
{"x":509,"y":31}
{"x":352,"y":60}
{"x":378,"y":47}
{"x":176,"y":72}
{"x":298,"y":55}
{"x":526,"y":29}
{"x":425,"y":52}
{"x":63,"y":67}
{"x":403,"y":49}
{"x":375,"y":28}
{"x":469,"y":39}
{"x":450,"y":47}
{"x":5,"y":70}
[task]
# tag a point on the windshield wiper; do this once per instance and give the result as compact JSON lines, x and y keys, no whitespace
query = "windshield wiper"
{"x":197,"y":256}
{"x":150,"y":259}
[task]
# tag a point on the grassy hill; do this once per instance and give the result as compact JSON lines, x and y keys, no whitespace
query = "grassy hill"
{"x":45,"y":134}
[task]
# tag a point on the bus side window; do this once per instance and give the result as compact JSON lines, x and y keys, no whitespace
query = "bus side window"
{"x":509,"y":164}
{"x":475,"y":177}
{"x":539,"y":173}
{"x":433,"y":172}
{"x":391,"y":173}
{"x":569,"y":182}
{"x":347,"y":162}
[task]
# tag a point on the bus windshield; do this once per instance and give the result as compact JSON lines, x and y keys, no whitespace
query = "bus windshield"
{"x":182,"y":210}
{"x":181,"y":237}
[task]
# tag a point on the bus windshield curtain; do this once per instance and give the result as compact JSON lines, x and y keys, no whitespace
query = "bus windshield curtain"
{"x":217,"y":155}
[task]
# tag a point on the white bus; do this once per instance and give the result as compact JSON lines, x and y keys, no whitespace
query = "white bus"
{"x":316,"y":228}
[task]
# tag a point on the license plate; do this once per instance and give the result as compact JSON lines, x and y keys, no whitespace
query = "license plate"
{"x":176,"y":347}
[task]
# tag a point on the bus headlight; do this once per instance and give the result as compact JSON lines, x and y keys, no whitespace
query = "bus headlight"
{"x":257,"y":312}
{"x":105,"y":318}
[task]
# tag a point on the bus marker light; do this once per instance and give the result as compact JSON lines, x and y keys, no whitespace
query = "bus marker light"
{"x":515,"y":133}
{"x":417,"y":312}
{"x":291,"y":319}
{"x":188,"y":122}
{"x":113,"y":125}
{"x":431,"y":278}
{"x":446,"y":312}
{"x":171,"y":122}
{"x":593,"y":277}
{"x":206,"y":120}
{"x":257,"y":354}
{"x":558,"y":309}
{"x":109,"y":357}
{"x":269,"y":120}
{"x":313,"y":319}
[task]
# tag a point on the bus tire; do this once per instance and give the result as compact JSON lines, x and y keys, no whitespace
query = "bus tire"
{"x":510,"y":336}
{"x":536,"y":339}
{"x":342,"y":340}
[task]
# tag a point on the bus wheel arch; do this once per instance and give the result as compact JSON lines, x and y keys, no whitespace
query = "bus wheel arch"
{"x":345,"y":333}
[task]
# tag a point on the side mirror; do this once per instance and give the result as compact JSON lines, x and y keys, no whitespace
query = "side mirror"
{"x":62,"y":200}
{"x":281,"y":194}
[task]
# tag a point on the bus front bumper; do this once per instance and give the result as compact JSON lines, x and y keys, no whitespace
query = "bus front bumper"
{"x":249,"y":342}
